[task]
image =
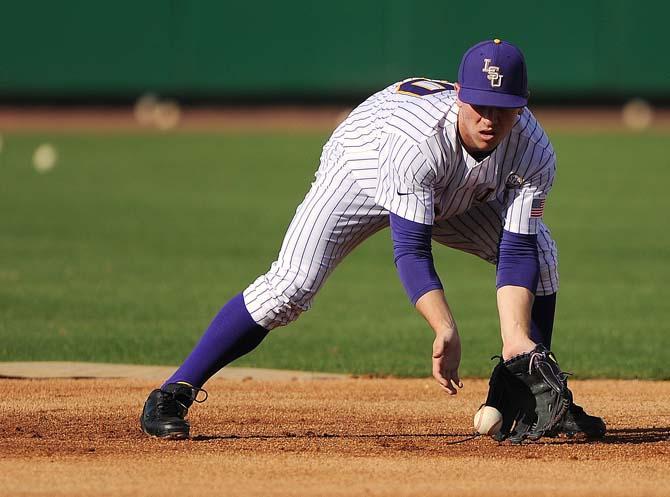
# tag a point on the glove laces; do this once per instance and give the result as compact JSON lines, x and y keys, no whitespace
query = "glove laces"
{"x":533,"y":357}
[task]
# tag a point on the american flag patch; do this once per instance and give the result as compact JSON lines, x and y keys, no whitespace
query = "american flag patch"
{"x":537,"y":207}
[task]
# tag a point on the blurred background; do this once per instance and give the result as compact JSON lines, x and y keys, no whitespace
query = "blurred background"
{"x":152,"y":154}
{"x":204,"y":51}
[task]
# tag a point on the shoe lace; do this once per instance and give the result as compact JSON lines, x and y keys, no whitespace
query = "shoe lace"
{"x":170,"y":405}
{"x":196,"y":391}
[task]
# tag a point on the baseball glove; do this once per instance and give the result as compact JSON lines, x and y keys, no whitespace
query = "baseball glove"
{"x":531,"y":393}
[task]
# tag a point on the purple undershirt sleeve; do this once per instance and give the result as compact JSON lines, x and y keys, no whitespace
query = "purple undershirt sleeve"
{"x":413,"y":257}
{"x":518,"y":262}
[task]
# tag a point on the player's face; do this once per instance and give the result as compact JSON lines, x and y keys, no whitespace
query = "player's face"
{"x":482,"y":128}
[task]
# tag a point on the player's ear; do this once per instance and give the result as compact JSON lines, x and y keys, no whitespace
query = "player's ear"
{"x":458,"y":89}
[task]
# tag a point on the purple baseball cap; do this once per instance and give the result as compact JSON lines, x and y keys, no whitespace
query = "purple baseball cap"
{"x":493,"y":73}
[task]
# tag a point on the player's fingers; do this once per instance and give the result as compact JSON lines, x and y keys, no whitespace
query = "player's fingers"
{"x":447,"y":387}
{"x":440,"y":376}
{"x":450,"y":388}
{"x":456,"y":378}
{"x":444,"y":380}
{"x":449,"y":381}
{"x":437,"y":374}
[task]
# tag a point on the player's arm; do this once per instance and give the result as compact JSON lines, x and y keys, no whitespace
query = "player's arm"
{"x":406,"y":190}
{"x":517,"y":274}
{"x":518,"y":269}
{"x":414,"y":262}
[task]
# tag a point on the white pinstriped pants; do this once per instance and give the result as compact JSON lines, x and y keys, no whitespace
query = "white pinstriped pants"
{"x":335,"y":217}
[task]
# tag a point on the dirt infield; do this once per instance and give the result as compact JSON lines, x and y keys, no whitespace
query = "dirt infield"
{"x":90,"y":370}
{"x":336,"y":437}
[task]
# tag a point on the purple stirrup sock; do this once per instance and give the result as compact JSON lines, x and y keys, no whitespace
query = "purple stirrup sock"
{"x":231,"y":334}
{"x":542,"y":319}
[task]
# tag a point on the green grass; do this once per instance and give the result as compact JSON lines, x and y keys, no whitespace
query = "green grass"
{"x":127,"y":249}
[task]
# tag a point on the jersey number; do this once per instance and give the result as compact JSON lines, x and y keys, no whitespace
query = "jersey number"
{"x":421,"y":87}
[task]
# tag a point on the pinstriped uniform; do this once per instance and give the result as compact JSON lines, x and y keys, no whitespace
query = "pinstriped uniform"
{"x":400,"y":153}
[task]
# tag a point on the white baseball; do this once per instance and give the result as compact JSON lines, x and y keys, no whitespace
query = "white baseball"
{"x":488,"y":420}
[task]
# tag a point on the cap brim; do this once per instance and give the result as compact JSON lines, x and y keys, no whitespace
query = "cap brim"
{"x":491,"y":98}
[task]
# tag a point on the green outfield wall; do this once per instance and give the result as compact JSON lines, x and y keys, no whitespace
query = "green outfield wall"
{"x":207,"y":48}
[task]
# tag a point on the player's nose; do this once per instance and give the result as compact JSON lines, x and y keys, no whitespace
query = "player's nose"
{"x":488,"y":114}
{"x":487,"y":121}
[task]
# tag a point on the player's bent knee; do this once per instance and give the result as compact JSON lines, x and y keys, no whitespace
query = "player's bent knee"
{"x":273,"y":303}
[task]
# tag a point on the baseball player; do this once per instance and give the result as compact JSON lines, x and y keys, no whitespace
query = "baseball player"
{"x":466,"y":165}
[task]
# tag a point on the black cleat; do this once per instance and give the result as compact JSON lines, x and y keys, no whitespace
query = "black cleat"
{"x":165,"y":409}
{"x":576,"y":423}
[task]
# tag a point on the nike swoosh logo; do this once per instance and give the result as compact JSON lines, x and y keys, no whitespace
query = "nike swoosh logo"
{"x":403,"y":193}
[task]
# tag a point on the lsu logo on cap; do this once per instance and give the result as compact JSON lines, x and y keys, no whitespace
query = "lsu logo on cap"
{"x":492,"y":73}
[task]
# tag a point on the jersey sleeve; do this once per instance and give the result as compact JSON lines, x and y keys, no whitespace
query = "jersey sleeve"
{"x":405,"y":180}
{"x":526,"y":202}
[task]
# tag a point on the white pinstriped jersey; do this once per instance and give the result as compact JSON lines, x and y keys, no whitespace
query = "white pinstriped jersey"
{"x":402,"y":146}
{"x":400,"y":152}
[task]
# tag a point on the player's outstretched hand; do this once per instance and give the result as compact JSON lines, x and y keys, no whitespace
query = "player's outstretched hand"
{"x":446,"y":359}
